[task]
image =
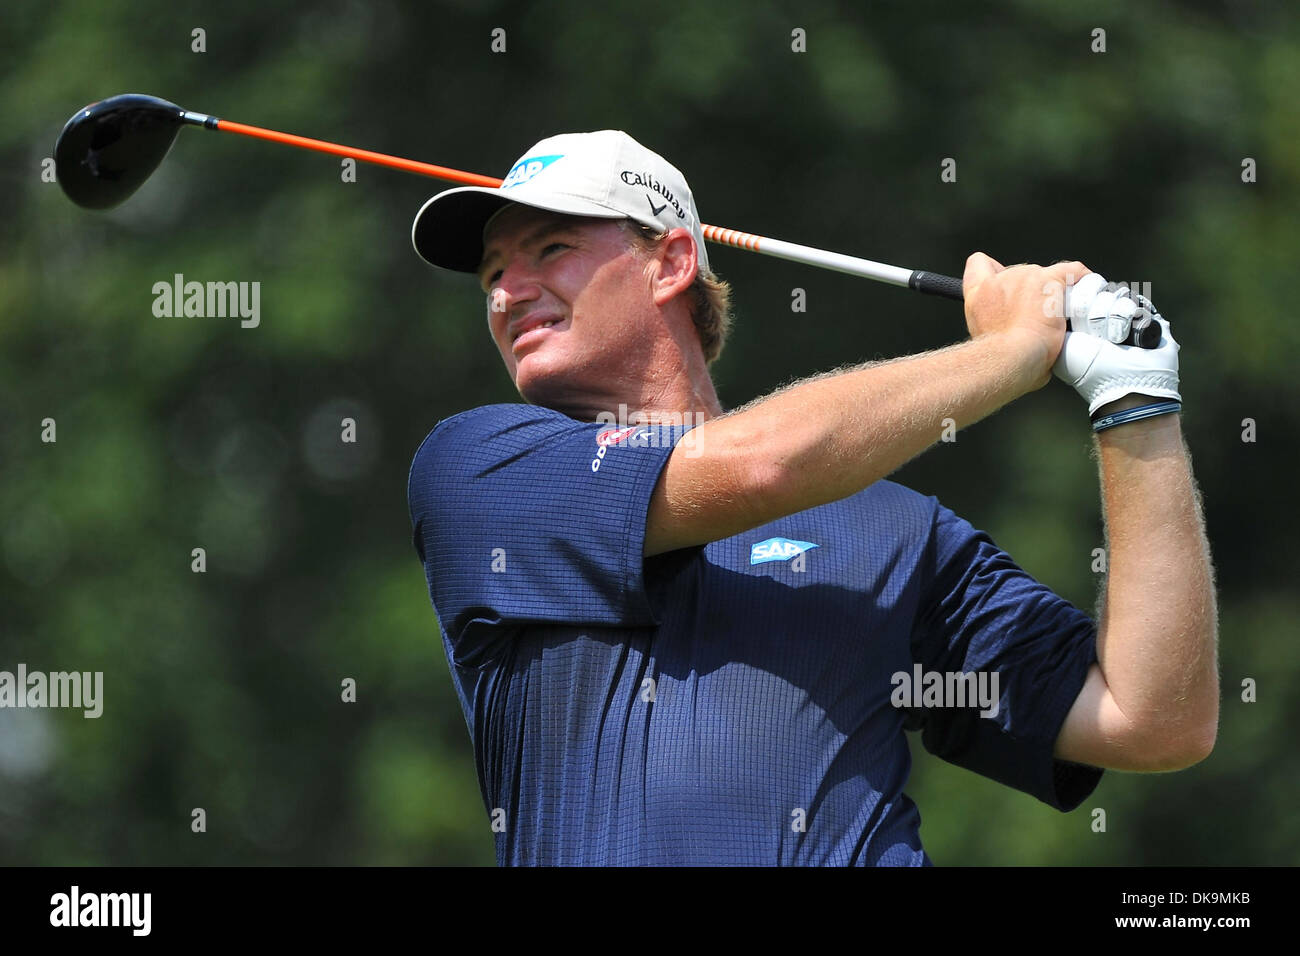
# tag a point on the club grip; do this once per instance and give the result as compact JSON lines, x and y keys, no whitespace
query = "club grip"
{"x":1145,"y":332}
{"x":931,"y":283}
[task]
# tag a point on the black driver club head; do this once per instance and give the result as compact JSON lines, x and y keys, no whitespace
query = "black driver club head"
{"x":108,"y":149}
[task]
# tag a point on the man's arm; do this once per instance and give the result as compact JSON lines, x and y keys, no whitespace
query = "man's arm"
{"x":831,"y":436}
{"x":1152,"y":701}
{"x":821,"y":440}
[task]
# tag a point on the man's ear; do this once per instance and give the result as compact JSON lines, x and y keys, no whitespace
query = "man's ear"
{"x":678,"y":264}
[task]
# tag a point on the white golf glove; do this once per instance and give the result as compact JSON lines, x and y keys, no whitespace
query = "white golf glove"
{"x":1101,"y":316}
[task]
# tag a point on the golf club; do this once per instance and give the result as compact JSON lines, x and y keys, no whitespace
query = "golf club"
{"x":108,"y":149}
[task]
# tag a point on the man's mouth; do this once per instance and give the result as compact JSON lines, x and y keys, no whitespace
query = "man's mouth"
{"x":534,"y":333}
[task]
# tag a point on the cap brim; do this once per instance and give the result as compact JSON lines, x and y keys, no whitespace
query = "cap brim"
{"x":448,"y":229}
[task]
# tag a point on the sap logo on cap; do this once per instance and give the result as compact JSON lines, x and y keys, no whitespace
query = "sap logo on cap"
{"x":527,"y":168}
{"x":778,"y":549}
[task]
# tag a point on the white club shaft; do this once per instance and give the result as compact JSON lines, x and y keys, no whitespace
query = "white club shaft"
{"x":839,"y":262}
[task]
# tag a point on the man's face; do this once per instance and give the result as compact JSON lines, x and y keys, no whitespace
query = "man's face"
{"x":582,"y":274}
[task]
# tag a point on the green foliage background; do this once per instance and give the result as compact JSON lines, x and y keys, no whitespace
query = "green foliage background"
{"x":222,"y":689}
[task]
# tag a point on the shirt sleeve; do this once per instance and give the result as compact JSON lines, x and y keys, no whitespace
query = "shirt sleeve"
{"x":520,"y":513}
{"x":982,"y":612}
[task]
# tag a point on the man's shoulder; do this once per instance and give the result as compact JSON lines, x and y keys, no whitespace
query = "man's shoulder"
{"x":891,"y":495}
{"x":897,"y":498}
{"x":883,"y":511}
{"x":913,"y":514}
{"x":486,"y":420}
{"x":477,"y":438}
{"x":497,"y":415}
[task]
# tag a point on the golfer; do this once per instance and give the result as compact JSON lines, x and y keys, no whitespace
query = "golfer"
{"x":682,"y":634}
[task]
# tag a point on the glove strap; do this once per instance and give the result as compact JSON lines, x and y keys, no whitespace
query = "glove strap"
{"x":1136,"y":414}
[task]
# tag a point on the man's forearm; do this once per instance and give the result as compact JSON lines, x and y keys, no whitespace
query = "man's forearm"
{"x":1158,"y":628}
{"x":831,"y":436}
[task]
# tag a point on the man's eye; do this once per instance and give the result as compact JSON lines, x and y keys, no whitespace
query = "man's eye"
{"x":554,"y":245}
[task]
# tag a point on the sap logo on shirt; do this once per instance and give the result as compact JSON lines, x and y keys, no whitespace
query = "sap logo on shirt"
{"x":778,"y":549}
{"x":526,"y":169}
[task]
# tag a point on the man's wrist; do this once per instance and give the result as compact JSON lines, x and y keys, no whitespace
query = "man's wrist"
{"x":1131,"y":400}
{"x":1135,"y":414}
{"x":1023,"y":359}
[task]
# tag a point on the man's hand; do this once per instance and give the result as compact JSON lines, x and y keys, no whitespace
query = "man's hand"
{"x":1102,"y":371}
{"x":1017,"y":304}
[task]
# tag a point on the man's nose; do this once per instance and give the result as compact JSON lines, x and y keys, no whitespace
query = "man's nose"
{"x":515,"y":286}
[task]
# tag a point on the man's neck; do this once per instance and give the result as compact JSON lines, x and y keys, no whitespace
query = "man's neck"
{"x":627,"y":413}
{"x":683,"y":400}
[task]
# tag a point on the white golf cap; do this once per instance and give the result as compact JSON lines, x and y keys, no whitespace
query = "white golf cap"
{"x":605,"y":174}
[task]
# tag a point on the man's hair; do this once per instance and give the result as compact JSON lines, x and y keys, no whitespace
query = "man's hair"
{"x":710,"y":301}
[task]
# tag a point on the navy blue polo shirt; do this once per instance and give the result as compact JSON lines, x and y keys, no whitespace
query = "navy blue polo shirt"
{"x":732,"y":703}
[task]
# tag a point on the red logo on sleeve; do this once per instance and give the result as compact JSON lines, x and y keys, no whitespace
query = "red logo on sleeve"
{"x":612,"y":436}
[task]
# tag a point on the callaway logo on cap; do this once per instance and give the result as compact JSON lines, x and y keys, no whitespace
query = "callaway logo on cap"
{"x":606,"y":174}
